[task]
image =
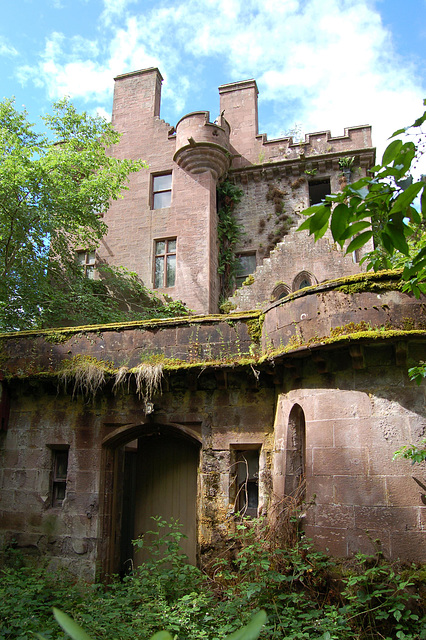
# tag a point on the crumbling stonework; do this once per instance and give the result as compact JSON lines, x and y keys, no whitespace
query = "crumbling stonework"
{"x":300,"y":396}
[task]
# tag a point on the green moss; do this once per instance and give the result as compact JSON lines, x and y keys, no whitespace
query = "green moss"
{"x":254,"y":328}
{"x":58,"y":337}
{"x":248,"y":281}
{"x":227,"y":307}
{"x":338,"y":337}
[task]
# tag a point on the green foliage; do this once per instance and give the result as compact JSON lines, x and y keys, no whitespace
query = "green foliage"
{"x":229,"y":232}
{"x":418,"y":373}
{"x":382,"y":207}
{"x":54,"y":189}
{"x":415,"y":453}
{"x":305,"y":595}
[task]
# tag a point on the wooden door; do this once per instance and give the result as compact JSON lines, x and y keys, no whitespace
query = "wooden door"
{"x":166,"y":486}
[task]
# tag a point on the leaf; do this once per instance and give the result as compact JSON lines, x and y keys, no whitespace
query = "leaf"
{"x":391,"y":151}
{"x":406,"y":197}
{"x":161,"y":635}
{"x":252,"y":630}
{"x":396,"y":234}
{"x":355,"y":228}
{"x":359,"y":241}
{"x":70,"y":626}
{"x":339,"y":220}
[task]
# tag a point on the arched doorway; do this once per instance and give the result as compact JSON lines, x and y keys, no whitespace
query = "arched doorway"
{"x":150,"y":470}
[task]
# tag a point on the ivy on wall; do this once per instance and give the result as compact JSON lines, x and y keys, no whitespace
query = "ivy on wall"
{"x":229,"y":232}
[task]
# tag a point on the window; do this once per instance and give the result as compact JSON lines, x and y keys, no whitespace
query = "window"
{"x":86,"y":259}
{"x":296,"y":454}
{"x":302,"y":280}
{"x":161,"y":191}
{"x":280,"y":291}
{"x":59,"y":474}
{"x":165,"y":263}
{"x":318,"y":189}
{"x":246,"y":264}
{"x":247,"y":481}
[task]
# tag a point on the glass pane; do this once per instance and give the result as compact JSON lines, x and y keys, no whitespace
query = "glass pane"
{"x":160,"y":247}
{"x":159,"y":272}
{"x":61,"y":465}
{"x":171,"y":271}
{"x":91,"y":257}
{"x":305,"y":283}
{"x":90,"y":272}
{"x":162,"y":183}
{"x":171,"y":246}
{"x":246,"y":265}
{"x":58,"y":492}
{"x":162,"y":199}
{"x":81,"y":257}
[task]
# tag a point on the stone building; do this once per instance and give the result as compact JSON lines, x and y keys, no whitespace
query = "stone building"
{"x":301,"y":394}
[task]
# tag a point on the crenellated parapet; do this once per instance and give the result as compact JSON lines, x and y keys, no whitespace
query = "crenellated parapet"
{"x":202,"y":145}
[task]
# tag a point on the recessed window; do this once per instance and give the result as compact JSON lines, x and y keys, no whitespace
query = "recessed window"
{"x":87,"y":259}
{"x":246,"y":264}
{"x":59,"y":475}
{"x":247,"y":481}
{"x":318,"y":189}
{"x":165,"y":263}
{"x":302,"y":280}
{"x":161,"y":191}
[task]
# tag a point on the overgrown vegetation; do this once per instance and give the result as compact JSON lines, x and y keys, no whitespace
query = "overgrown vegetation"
{"x":229,"y":232}
{"x":54,"y":191}
{"x":304,"y":593}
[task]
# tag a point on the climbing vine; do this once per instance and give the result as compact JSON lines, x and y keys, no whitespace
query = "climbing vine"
{"x":229,"y":233}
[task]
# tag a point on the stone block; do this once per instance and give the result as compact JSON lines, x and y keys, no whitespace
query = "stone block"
{"x":340,"y":461}
{"x":359,"y":490}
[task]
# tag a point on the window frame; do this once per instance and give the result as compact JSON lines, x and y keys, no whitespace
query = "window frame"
{"x":89,"y":264}
{"x":155,"y":191}
{"x":165,"y":255}
{"x":58,"y":483}
{"x":239,"y":485}
{"x":239,"y":279}
{"x":317,"y":183}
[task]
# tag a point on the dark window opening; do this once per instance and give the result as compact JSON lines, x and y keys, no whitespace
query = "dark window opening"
{"x":305,"y":283}
{"x":246,"y":265}
{"x":162,"y":191}
{"x":318,"y":189}
{"x":165,"y":263}
{"x":247,"y":482}
{"x":59,"y":475}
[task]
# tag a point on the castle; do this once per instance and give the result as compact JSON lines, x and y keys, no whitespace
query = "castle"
{"x":300,"y":393}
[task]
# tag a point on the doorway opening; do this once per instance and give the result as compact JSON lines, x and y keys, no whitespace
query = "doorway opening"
{"x":150,"y":470}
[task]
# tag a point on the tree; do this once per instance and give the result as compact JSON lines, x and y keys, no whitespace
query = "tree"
{"x":381,"y":207}
{"x":54,"y":188}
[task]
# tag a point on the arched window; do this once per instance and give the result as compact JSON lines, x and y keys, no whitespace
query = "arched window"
{"x":281,"y":290}
{"x":302,"y":280}
{"x":296,"y":453}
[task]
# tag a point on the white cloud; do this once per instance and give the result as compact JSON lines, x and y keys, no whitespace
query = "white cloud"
{"x":7,"y":49}
{"x":325,"y":63}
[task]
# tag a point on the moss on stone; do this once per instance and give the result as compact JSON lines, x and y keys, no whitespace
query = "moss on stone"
{"x":254,"y":328}
{"x":248,"y":281}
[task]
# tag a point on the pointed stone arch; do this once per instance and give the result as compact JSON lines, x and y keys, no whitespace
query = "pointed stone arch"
{"x":303,"y":279}
{"x":295,"y":464}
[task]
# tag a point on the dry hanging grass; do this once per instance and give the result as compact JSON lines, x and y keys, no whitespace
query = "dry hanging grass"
{"x":148,"y":380}
{"x":87,"y":376}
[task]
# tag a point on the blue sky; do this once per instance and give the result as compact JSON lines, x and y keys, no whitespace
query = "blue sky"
{"x":324,"y":64}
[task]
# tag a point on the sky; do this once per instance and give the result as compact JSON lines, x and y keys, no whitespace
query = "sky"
{"x":319,"y":64}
